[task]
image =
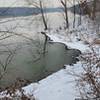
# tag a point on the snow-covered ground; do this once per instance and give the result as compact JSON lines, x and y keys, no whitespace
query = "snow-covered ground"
{"x":55,"y":87}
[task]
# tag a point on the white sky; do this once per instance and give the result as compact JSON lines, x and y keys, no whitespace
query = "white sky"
{"x":12,"y":3}
{"x":20,"y":3}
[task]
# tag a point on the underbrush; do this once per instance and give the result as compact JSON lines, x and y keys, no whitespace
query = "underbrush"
{"x":88,"y":81}
{"x":15,"y":92}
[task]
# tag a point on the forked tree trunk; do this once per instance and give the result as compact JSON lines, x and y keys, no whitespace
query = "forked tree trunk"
{"x":43,"y":16}
{"x":80,"y":13}
{"x":74,"y":14}
{"x":94,"y":9}
{"x":64,"y":3}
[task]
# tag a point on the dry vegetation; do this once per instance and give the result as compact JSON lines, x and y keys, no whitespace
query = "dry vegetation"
{"x":89,"y":79}
{"x":15,"y":91}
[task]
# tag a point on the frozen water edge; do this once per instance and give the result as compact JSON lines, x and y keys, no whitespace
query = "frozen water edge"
{"x":71,"y":44}
{"x":58,"y":86}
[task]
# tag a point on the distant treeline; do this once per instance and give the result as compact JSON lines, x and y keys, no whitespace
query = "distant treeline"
{"x":90,"y":7}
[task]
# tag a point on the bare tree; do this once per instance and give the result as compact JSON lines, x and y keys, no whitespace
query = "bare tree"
{"x":39,"y":5}
{"x":94,"y":9}
{"x":80,"y":15}
{"x":64,"y":4}
{"x":86,"y":8}
{"x":43,"y":16}
{"x":89,"y":9}
{"x":74,"y":14}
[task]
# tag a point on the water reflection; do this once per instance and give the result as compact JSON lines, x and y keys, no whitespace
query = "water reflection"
{"x":25,"y":67}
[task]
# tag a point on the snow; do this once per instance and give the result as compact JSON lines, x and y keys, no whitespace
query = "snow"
{"x":71,"y":44}
{"x":55,"y":87}
{"x":30,"y":88}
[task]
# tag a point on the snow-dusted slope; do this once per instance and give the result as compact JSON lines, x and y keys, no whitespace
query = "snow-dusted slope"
{"x":56,"y":87}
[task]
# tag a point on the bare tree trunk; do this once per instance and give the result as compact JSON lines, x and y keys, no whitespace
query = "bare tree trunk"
{"x":43,"y":16}
{"x":94,"y":9}
{"x":64,"y":3}
{"x":66,"y":14}
{"x":86,"y":8}
{"x":80,"y":17}
{"x":45,"y":42}
{"x":74,"y":14}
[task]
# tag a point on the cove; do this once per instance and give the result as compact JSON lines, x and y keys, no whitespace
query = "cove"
{"x":24,"y":66}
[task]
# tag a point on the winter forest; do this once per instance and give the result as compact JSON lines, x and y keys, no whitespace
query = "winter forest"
{"x":49,"y":50}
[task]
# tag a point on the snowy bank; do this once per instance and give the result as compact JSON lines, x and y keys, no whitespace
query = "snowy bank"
{"x":70,"y":44}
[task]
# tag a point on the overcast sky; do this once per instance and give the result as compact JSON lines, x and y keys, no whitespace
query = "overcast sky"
{"x":12,"y":3}
{"x":20,"y":3}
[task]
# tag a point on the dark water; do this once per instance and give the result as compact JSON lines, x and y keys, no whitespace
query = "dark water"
{"x":24,"y":66}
